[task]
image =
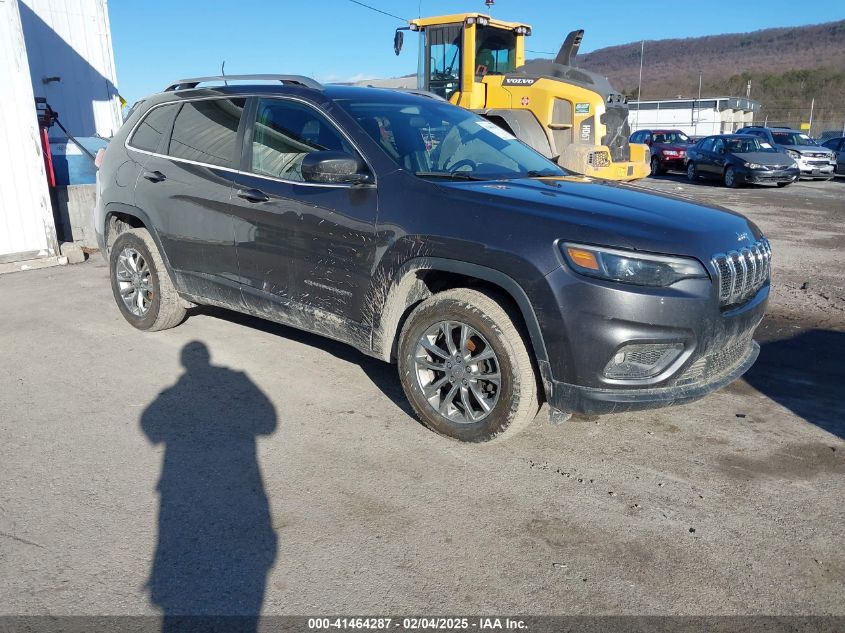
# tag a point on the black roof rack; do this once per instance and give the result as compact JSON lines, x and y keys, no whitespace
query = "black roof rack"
{"x":298,"y":80}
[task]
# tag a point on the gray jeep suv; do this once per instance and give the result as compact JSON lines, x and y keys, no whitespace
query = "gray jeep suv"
{"x":421,"y":234}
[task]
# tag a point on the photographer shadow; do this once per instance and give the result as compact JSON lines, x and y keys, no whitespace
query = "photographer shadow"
{"x":216,"y":542}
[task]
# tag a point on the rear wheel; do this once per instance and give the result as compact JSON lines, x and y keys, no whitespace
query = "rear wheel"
{"x":692,"y":172}
{"x":140,"y":284}
{"x":465,"y":367}
{"x":730,"y":178}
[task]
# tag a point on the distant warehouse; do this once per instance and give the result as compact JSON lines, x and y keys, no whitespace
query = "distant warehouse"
{"x":696,"y":117}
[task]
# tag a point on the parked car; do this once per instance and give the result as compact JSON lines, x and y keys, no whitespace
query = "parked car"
{"x":668,"y":148}
{"x":837,"y":145}
{"x":738,"y":159}
{"x":422,"y":234}
{"x":813,"y":160}
{"x":826,"y":135}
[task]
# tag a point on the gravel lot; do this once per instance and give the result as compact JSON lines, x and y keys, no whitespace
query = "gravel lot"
{"x":730,"y":505}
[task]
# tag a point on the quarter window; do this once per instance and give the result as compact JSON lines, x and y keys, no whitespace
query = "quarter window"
{"x":285,"y":131}
{"x":154,"y":125}
{"x":207,"y":131}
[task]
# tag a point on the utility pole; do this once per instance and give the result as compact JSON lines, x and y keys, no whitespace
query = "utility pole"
{"x":812,"y":106}
{"x":640,"y":84}
{"x":697,"y":107}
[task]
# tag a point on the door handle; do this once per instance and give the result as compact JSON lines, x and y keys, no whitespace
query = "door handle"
{"x":154,"y":176}
{"x":253,"y":195}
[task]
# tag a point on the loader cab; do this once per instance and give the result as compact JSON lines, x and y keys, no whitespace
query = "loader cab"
{"x":456,"y":52}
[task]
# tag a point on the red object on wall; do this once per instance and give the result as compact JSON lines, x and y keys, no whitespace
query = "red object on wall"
{"x":48,"y":157}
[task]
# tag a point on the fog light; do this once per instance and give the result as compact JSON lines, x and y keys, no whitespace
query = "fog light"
{"x":640,"y":360}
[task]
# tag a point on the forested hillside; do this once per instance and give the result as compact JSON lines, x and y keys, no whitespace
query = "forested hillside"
{"x":787,"y":67}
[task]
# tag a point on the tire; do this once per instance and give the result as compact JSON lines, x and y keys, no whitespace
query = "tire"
{"x":730,"y":178}
{"x":137,"y":272}
{"x":492,"y":326}
{"x":692,"y":172}
{"x":656,"y":169}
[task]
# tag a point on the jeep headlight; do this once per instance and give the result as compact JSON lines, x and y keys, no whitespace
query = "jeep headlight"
{"x":631,"y":267}
{"x":793,"y":154}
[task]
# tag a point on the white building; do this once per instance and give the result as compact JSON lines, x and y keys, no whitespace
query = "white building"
{"x":696,"y":117}
{"x":60,"y":50}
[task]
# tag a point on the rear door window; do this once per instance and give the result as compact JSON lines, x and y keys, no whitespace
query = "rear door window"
{"x":151,"y":129}
{"x":284,"y":132}
{"x":207,"y":131}
{"x":707,"y":144}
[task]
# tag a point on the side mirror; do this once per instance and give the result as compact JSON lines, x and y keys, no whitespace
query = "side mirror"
{"x":647,"y":142}
{"x":398,"y":40}
{"x":333,"y":168}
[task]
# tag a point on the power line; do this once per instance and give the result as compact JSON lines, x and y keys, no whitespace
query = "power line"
{"x":366,"y":6}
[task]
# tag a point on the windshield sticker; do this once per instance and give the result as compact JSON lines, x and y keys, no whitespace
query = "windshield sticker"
{"x":492,"y":127}
{"x":582,"y":108}
{"x":765,"y":145}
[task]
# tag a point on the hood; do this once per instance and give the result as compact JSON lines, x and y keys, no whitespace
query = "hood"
{"x":611,"y":214}
{"x":678,"y":147}
{"x":767,"y":158}
{"x":807,"y":149}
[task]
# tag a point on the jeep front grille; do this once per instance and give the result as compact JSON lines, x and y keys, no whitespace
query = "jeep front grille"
{"x":742,"y":273}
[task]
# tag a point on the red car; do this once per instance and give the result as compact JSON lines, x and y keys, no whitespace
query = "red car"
{"x":668,"y":148}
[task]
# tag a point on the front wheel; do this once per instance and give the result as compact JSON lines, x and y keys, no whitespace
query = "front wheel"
{"x":730,"y":178}
{"x":140,"y":284}
{"x":465,"y":366}
{"x":692,"y":173}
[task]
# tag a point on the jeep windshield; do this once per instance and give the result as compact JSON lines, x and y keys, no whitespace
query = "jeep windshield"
{"x":792,"y":138}
{"x":433,"y":139}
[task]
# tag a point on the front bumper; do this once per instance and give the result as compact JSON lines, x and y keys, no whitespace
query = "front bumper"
{"x":594,"y":320}
{"x":768,"y":176}
{"x":596,"y":401}
{"x":815,"y":168}
{"x":673,"y":164}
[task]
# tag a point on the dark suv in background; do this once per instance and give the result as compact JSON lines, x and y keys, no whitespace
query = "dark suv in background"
{"x":421,"y":234}
{"x":668,"y":149}
{"x":814,"y":161}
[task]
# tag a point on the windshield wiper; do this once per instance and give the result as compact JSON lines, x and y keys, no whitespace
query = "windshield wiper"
{"x":536,"y":173}
{"x":452,"y":175}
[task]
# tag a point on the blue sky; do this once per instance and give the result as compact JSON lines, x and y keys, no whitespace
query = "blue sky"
{"x":156,"y":41}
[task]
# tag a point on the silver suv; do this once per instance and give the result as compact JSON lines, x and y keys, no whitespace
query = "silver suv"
{"x":814,"y":161}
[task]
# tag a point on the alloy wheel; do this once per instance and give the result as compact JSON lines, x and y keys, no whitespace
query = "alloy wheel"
{"x":457,"y":371}
{"x":134,"y":281}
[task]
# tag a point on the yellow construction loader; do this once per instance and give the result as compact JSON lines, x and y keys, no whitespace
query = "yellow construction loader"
{"x":568,"y":114}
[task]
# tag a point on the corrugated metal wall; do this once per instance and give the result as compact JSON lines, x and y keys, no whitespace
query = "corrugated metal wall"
{"x":26,"y":217}
{"x":71,"y":39}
